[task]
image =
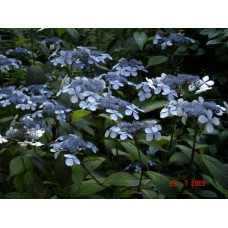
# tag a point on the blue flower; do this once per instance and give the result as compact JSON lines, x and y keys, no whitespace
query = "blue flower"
{"x":152,"y":131}
{"x":71,"y":159}
{"x":112,"y":132}
{"x":145,"y":92}
{"x":128,"y":68}
{"x":9,"y":63}
{"x":20,"y":51}
{"x":114,"y":114}
{"x":209,"y":120}
{"x":173,"y":38}
{"x":131,"y":110}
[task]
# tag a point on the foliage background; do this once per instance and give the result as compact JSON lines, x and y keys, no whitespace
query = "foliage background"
{"x":207,"y":57}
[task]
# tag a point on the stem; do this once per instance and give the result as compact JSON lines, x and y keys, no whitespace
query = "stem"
{"x":140,"y":159}
{"x":93,"y":176}
{"x":193,"y":149}
{"x":117,"y":151}
{"x":57,"y":128}
{"x":172,"y":134}
{"x":70,"y":70}
{"x":22,"y":159}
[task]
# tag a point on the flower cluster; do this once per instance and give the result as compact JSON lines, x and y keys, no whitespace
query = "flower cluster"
{"x":202,"y":85}
{"x":128,"y":68}
{"x":201,"y":110}
{"x":115,"y":80}
{"x":130,"y":130}
{"x":173,"y":86}
{"x":80,"y":58}
{"x":73,"y":145}
{"x":175,"y":82}
{"x":20,"y":51}
{"x":27,"y":131}
{"x":81,"y":88}
{"x":54,"y":108}
{"x":173,"y":38}
{"x":9,"y":63}
{"x":114,"y":106}
{"x":26,"y":98}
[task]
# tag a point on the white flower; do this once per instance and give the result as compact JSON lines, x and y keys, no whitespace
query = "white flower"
{"x":92,"y":147}
{"x":2,"y":140}
{"x":35,"y":134}
{"x":226,"y":107}
{"x":86,"y":104}
{"x":202,"y":89}
{"x":153,"y":131}
{"x":113,"y":132}
{"x":131,"y":109}
{"x":76,"y":94}
{"x":116,"y":84}
{"x":207,"y":82}
{"x":25,"y":143}
{"x":150,"y":83}
{"x":162,"y":87}
{"x":125,"y":135}
{"x":204,"y":85}
{"x":209,"y":120}
{"x":114,"y":114}
{"x":71,"y":159}
{"x":191,"y":87}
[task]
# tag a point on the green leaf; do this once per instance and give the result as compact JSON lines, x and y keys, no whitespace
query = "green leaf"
{"x":190,"y":194}
{"x":33,"y":184}
{"x":188,"y":152}
{"x":91,"y":163}
{"x":140,"y":39}
{"x":121,"y":179}
{"x":179,"y":158}
{"x":77,"y":174}
{"x":215,"y":184}
{"x":212,"y":42}
{"x":88,"y":188}
{"x":182,"y":51}
{"x":106,"y":116}
{"x":13,"y":195}
{"x":132,"y":149}
{"x":73,"y":33}
{"x":79,"y":114}
{"x":149,"y":194}
{"x":83,"y":124}
{"x":37,"y":160}
{"x":207,"y":193}
{"x":218,"y":170}
{"x":153,"y":105}
{"x":6,"y":119}
{"x":60,"y":31}
{"x":19,"y":165}
{"x":155,"y":60}
{"x":18,"y":182}
{"x":162,"y":183}
{"x":121,"y":153}
{"x":154,"y":146}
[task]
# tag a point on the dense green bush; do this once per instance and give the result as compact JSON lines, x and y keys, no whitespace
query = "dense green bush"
{"x":113,"y":113}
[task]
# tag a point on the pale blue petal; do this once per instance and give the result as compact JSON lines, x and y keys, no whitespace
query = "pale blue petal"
{"x":215,"y":121}
{"x":202,"y":119}
{"x":209,"y":127}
